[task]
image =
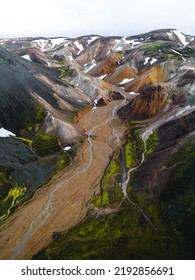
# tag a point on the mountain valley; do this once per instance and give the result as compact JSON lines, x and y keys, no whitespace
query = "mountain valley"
{"x":97,"y":147}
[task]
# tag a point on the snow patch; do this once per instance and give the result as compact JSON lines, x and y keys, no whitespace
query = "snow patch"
{"x":70,"y":57}
{"x":126,"y":80}
{"x":179,"y":35}
{"x":103,"y":76}
{"x":133,"y":42}
{"x":49,"y":44}
{"x":133,"y":93}
{"x":79,"y":46}
{"x":179,"y":54}
{"x":95,"y":103}
{"x":57,"y":41}
{"x":123,"y":44}
{"x":6,"y":133}
{"x":146,"y":60}
{"x":117,"y":46}
{"x":67,"y":148}
{"x":26,"y":56}
{"x":41,"y":43}
{"x":153,"y":61}
{"x":93,"y":38}
{"x":90,"y":67}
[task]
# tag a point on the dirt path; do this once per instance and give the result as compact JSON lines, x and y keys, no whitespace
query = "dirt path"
{"x":63,"y":202}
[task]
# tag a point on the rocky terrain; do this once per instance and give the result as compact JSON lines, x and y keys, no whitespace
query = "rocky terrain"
{"x":97,"y":147}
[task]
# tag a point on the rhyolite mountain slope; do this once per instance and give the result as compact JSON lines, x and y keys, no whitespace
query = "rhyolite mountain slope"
{"x":49,"y":89}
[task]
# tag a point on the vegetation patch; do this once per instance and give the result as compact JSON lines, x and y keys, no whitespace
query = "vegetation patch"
{"x":129,"y":154}
{"x":45,"y":144}
{"x":164,"y":49}
{"x":32,"y":120}
{"x":122,"y":235}
{"x":179,"y":196}
{"x":110,"y":190}
{"x":66,"y":71}
{"x":151,"y":143}
{"x":14,"y":197}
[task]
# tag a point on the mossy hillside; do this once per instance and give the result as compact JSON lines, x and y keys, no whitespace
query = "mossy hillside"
{"x":134,"y":147}
{"x":32,"y":120}
{"x":164,"y":49}
{"x":5,"y":178}
{"x":136,"y":195}
{"x":151,"y":143}
{"x":23,"y":168}
{"x":138,"y":145}
{"x":179,"y":196}
{"x":122,"y":235}
{"x":182,"y":178}
{"x":110,"y":191}
{"x":28,"y":161}
{"x":45,"y":144}
{"x":184,"y":153}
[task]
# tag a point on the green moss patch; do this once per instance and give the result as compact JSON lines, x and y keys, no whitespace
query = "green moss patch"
{"x":14,"y":197}
{"x":129,"y":154}
{"x":66,"y":71}
{"x":151,"y":143}
{"x":123,"y":235}
{"x":45,"y":144}
{"x":110,"y":190}
{"x":164,"y":49}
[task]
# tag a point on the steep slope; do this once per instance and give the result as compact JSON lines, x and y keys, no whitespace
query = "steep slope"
{"x":34,"y":102}
{"x":24,"y":83}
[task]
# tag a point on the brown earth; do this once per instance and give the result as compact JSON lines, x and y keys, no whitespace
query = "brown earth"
{"x":151,"y":101}
{"x":69,"y":204}
{"x":157,"y":74}
{"x":106,"y":66}
{"x":120,"y":73}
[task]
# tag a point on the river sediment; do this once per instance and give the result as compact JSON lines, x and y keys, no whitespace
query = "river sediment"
{"x":63,"y":202}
